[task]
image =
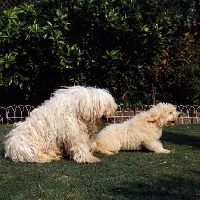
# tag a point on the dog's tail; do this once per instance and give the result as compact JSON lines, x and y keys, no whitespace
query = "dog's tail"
{"x":18,"y":149}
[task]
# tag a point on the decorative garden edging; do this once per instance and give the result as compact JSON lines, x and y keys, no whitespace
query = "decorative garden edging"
{"x":190,"y":114}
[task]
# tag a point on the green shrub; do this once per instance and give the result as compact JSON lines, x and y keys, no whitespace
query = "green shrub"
{"x":142,"y":53}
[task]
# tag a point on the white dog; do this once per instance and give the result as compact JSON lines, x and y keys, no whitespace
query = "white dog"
{"x":143,"y":130}
{"x":62,"y":125}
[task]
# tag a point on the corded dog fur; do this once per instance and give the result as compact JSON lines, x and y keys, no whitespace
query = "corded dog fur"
{"x":143,"y":130}
{"x":61,"y":126}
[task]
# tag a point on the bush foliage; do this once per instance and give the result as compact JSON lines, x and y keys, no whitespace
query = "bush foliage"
{"x":142,"y":53}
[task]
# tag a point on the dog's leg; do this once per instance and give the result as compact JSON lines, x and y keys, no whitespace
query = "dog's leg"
{"x":81,"y":153}
{"x":45,"y":157}
{"x":102,"y":149}
{"x":156,"y":146}
{"x":105,"y":151}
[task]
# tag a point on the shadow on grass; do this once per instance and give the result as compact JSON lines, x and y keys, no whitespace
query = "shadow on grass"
{"x":2,"y":153}
{"x":181,"y":139}
{"x":197,"y":173}
{"x":168,"y":187}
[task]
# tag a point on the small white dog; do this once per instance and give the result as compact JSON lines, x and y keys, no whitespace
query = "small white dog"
{"x":143,"y":130}
{"x":61,"y":126}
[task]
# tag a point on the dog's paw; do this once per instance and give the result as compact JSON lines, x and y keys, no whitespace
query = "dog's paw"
{"x":94,"y":160}
{"x":86,"y":159}
{"x":107,"y":152}
{"x":163,"y":151}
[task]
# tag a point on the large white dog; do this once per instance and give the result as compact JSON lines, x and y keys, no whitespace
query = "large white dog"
{"x":62,"y":125}
{"x":143,"y":130}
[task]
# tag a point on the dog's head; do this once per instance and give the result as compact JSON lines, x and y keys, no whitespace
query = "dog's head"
{"x":163,"y":114}
{"x":93,"y":103}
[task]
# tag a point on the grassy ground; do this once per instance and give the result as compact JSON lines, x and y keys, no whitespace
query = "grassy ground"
{"x":129,"y":175}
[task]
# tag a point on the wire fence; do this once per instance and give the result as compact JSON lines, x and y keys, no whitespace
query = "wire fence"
{"x":14,"y":113}
{"x":190,"y":114}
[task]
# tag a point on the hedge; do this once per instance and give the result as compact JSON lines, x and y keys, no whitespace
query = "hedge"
{"x":141,"y":52}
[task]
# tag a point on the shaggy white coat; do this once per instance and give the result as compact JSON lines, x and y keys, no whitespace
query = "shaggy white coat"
{"x":61,"y":126}
{"x":143,"y":130}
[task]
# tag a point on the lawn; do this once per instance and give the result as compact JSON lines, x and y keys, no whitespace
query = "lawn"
{"x":135,"y":175}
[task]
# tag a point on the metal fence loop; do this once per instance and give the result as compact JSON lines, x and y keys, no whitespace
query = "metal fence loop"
{"x":189,"y":114}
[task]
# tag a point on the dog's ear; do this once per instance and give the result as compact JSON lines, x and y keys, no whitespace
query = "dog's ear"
{"x":152,"y":117}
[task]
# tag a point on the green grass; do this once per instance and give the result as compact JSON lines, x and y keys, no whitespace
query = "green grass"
{"x":129,"y":175}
